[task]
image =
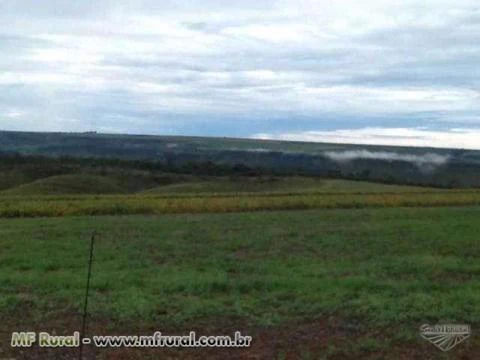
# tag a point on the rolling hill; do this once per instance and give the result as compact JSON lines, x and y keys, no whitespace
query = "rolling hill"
{"x":453,"y":168}
{"x":68,"y":184}
{"x":280,"y":185}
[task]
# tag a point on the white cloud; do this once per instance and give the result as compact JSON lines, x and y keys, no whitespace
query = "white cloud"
{"x":64,"y":55}
{"x":249,"y":60}
{"x":454,"y":138}
{"x":276,"y":33}
{"x":14,"y":113}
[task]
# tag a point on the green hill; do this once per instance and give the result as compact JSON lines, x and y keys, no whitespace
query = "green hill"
{"x":68,"y":184}
{"x":279,"y":184}
{"x":199,"y":156}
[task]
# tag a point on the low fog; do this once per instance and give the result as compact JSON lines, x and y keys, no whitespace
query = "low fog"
{"x":424,"y":161}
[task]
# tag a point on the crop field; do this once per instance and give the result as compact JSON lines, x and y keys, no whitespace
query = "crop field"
{"x":58,"y":206}
{"x":346,"y":269}
{"x":61,"y":198}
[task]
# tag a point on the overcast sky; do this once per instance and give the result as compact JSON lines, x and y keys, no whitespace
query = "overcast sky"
{"x":390,"y":72}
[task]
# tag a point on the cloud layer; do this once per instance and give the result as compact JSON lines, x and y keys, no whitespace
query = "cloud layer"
{"x":240,"y":68}
{"x":454,"y":138}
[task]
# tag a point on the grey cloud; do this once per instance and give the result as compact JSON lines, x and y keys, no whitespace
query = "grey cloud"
{"x":155,"y":60}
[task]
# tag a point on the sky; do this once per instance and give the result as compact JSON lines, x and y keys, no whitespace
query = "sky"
{"x":373,"y":71}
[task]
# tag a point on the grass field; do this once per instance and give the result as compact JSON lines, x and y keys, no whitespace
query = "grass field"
{"x":368,"y":269}
{"x":346,"y":270}
{"x":80,"y":184}
{"x":294,"y":184}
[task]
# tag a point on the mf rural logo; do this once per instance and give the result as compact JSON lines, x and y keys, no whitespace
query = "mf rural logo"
{"x":445,"y":337}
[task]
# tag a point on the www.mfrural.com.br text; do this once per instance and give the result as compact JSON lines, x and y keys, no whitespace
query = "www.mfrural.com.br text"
{"x":156,"y":340}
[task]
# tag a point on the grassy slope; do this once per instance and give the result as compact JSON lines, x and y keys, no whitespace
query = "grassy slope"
{"x":68,"y":184}
{"x":117,"y":182}
{"x":284,"y":184}
{"x":391,"y":267}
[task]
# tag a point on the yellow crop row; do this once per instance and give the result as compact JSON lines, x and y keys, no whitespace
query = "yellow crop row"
{"x":119,"y":205}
